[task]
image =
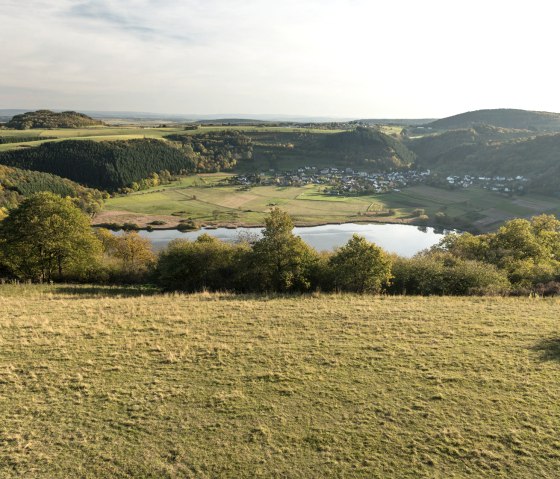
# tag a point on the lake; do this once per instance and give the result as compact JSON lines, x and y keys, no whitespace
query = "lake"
{"x":405,"y":240}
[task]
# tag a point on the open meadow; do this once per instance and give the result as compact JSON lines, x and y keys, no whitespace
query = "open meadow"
{"x":123,"y":382}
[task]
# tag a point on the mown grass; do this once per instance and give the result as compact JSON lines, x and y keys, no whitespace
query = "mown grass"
{"x":119,"y":382}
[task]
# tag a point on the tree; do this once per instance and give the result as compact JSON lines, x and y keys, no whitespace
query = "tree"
{"x":281,"y":261}
{"x":133,"y":252}
{"x":206,"y":263}
{"x":360,"y":266}
{"x":45,"y":236}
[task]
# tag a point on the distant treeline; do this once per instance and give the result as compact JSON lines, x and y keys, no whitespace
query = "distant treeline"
{"x":50,"y":119}
{"x":47,"y":238}
{"x":107,"y":165}
{"x":23,"y":139}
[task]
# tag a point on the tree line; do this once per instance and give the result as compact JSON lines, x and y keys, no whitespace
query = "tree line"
{"x":47,"y":238}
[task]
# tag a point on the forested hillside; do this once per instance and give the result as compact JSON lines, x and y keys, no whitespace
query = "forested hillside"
{"x":215,"y":151}
{"x":50,"y":119}
{"x":108,"y":165}
{"x":16,"y":184}
{"x":536,"y":158}
{"x":456,"y":142}
{"x":364,"y":148}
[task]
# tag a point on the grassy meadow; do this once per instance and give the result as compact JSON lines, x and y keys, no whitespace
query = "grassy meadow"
{"x":205,"y":198}
{"x":123,"y":382}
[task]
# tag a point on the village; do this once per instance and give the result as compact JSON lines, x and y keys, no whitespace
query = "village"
{"x":500,"y":184}
{"x":348,"y":181}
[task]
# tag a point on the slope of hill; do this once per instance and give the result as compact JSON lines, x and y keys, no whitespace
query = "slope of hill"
{"x":537,"y":158}
{"x":15,"y":184}
{"x":364,"y":148}
{"x":50,"y":119}
{"x":503,"y":118}
{"x":106,"y":165}
{"x":430,"y":147}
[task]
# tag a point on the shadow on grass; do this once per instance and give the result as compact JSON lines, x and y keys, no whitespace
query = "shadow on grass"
{"x":107,"y":291}
{"x":548,"y":349}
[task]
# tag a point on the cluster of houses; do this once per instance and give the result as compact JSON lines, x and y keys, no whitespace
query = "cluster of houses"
{"x":501,"y":184}
{"x":348,"y":181}
{"x":340,"y":181}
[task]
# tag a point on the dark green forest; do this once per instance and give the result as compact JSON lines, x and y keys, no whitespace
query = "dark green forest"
{"x":108,"y":165}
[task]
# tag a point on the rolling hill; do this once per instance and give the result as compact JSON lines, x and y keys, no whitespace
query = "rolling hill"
{"x":502,"y":118}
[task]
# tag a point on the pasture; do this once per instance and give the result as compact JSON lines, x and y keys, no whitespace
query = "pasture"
{"x":208,"y":199}
{"x":123,"y":382}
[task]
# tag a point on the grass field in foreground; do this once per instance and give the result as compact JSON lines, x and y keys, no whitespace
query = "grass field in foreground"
{"x":201,"y":198}
{"x":117,"y":383}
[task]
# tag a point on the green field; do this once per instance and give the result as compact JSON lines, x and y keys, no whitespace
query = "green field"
{"x":106,"y":133}
{"x":99,"y":383}
{"x":205,"y":199}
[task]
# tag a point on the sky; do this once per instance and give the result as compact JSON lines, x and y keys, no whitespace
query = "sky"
{"x":331,"y":58}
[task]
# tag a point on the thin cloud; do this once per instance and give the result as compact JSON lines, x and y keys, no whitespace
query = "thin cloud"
{"x":103,"y":13}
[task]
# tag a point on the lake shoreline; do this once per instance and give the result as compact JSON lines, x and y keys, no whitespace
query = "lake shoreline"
{"x":297,"y":224}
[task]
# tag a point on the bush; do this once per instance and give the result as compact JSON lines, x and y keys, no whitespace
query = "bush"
{"x":444,"y":274}
{"x":360,"y":266}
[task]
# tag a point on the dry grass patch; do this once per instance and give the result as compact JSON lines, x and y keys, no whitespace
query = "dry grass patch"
{"x":122,"y":382}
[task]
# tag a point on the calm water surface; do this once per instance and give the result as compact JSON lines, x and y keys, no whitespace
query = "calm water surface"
{"x":405,"y":240}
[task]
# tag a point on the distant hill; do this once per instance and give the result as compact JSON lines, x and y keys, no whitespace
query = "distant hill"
{"x":392,"y":121}
{"x":16,"y":184}
{"x":502,"y":118}
{"x":106,"y":165}
{"x":50,"y":119}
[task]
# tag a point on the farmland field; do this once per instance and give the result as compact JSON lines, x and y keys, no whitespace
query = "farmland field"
{"x":116,"y":382}
{"x":207,"y":199}
{"x":106,"y":133}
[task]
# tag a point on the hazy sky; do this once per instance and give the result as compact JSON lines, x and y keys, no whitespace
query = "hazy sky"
{"x":346,"y":58}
